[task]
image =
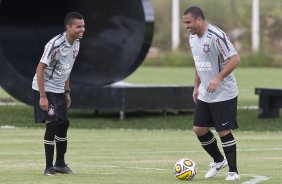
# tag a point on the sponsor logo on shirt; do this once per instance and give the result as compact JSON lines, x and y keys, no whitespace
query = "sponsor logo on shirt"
{"x":64,"y":69}
{"x":202,"y":65}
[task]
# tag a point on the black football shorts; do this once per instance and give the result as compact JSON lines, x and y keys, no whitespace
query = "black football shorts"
{"x":57,"y":110}
{"x":220,"y":115}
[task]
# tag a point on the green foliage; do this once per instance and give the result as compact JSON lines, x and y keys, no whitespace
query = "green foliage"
{"x":257,"y":60}
{"x":180,"y":59}
{"x":229,"y":15}
{"x":174,"y":59}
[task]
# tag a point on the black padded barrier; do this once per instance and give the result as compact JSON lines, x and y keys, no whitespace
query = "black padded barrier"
{"x":117,"y":38}
{"x":270,"y":102}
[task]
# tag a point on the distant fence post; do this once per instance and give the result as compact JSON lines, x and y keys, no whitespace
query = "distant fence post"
{"x":255,"y":26}
{"x":175,"y":29}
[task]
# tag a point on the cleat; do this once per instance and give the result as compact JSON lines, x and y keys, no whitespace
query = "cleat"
{"x":232,"y":176}
{"x":50,"y":171}
{"x":214,"y":167}
{"x":63,"y":169}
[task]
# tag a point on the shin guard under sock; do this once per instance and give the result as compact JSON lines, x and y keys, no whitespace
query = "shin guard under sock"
{"x":209,"y":143}
{"x":61,"y":143}
{"x":229,"y":148}
{"x":49,"y":142}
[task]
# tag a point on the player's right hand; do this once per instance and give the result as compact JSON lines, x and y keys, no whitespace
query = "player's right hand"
{"x":43,"y":103}
{"x":195,"y":95}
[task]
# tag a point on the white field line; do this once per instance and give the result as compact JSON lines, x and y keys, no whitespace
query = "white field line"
{"x":7,"y":126}
{"x":256,"y":179}
{"x":11,"y":103}
{"x":248,"y":107}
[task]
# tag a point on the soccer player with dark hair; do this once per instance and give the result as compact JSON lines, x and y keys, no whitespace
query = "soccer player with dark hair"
{"x":215,"y":90}
{"x":51,"y":91}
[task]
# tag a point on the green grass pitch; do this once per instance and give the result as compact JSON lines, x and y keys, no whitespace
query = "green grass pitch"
{"x":120,"y":156}
{"x":102,"y":152}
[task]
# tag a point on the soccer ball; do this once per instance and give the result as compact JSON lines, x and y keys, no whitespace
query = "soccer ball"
{"x":185,"y":169}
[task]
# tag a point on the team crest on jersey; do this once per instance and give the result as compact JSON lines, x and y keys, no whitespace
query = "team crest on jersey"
{"x":206,"y":48}
{"x":51,"y":110}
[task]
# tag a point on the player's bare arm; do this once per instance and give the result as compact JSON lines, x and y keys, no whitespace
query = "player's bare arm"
{"x":228,"y":68}
{"x":67,"y":92}
{"x":196,"y":87}
{"x":40,"y":81}
{"x":67,"y":84}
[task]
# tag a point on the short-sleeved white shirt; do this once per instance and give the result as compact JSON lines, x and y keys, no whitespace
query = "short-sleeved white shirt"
{"x":211,"y":52}
{"x":59,"y":56}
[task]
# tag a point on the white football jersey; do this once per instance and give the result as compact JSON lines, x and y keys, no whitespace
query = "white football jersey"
{"x":211,"y":52}
{"x":59,"y":56}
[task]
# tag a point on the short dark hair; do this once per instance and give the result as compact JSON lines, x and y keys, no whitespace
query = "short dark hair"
{"x":195,"y":12}
{"x":71,"y":16}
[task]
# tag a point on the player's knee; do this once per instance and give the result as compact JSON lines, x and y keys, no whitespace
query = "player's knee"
{"x":62,"y":129}
{"x":223,"y":133}
{"x":51,"y":128}
{"x":200,"y":131}
{"x":65,"y":125}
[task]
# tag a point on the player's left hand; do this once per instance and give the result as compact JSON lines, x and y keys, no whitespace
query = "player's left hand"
{"x":68,"y":98}
{"x":214,"y":83}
